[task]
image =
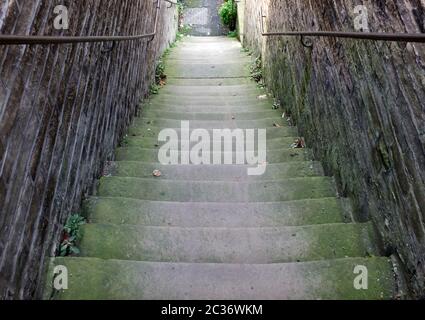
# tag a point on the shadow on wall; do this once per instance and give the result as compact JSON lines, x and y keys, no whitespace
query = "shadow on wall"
{"x":202,"y":16}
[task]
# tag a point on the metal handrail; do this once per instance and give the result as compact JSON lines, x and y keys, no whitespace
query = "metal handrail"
{"x":27,"y":40}
{"x":380,"y":36}
{"x":171,"y":3}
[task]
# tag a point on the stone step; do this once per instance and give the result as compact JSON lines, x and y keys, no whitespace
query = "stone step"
{"x":186,"y":56}
{"x":215,"y":107}
{"x":217,"y":191}
{"x":213,"y":39}
{"x":97,"y":279}
{"x":228,"y":245}
{"x":212,"y":214}
{"x":206,"y":47}
{"x":207,"y":70}
{"x":212,"y":124}
{"x":211,"y":91}
{"x":204,"y":109}
{"x":190,"y":54}
{"x":208,"y":82}
{"x":214,"y":116}
{"x":173,"y":144}
{"x":215,"y":172}
{"x":200,"y":51}
{"x":208,"y":96}
{"x":213,"y":49}
{"x":153,"y":132}
{"x":246,"y":101}
{"x":151,"y":155}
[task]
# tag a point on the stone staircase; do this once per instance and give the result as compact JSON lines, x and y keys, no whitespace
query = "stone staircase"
{"x":212,"y":231}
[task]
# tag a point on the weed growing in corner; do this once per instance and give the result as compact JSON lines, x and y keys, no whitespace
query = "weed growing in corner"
{"x":247,"y":51}
{"x":160,"y":76}
{"x":257,"y":72}
{"x":154,"y":88}
{"x":71,"y":235}
{"x":233,"y":34}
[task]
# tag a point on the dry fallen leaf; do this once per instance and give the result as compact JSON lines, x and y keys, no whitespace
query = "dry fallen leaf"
{"x":299,"y":144}
{"x":157,"y":173}
{"x":276,"y":125}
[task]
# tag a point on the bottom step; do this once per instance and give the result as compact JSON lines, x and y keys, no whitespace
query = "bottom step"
{"x":95,"y":279}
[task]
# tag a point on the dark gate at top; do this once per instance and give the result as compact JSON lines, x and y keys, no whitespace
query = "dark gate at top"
{"x":202,"y":16}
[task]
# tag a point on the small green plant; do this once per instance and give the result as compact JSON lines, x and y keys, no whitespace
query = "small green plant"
{"x":229,"y":14}
{"x":247,"y":51}
{"x":71,"y":235}
{"x":154,"y":88}
{"x":232,"y":34}
{"x":185,"y":30}
{"x":124,"y":141}
{"x":257,"y":71}
{"x":160,"y":76}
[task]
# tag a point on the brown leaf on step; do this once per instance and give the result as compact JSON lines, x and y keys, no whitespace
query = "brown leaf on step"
{"x":157,"y":173}
{"x":277,"y":125}
{"x":299,"y":144}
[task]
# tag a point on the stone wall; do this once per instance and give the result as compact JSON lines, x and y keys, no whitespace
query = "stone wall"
{"x":240,"y":26}
{"x":63,"y":110}
{"x":202,"y":16}
{"x":361,"y":106}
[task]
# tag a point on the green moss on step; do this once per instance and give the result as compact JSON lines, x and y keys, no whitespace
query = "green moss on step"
{"x":145,"y":213}
{"x":197,"y":191}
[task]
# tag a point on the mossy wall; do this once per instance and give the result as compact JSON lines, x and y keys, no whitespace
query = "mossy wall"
{"x":360,"y":105}
{"x":63,"y":109}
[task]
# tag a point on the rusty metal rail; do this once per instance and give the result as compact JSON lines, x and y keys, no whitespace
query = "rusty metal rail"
{"x":31,"y":40}
{"x":380,"y":36}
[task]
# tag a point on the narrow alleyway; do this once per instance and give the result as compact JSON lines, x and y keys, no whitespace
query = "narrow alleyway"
{"x":212,"y":231}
